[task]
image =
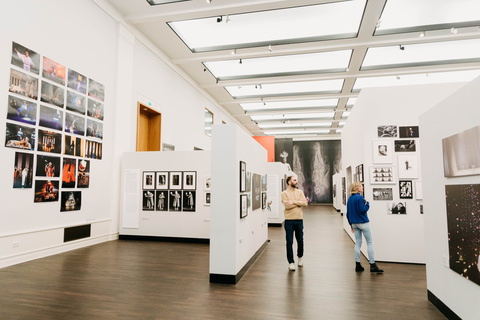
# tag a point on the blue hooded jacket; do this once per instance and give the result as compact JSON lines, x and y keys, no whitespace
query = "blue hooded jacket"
{"x":357,"y":209}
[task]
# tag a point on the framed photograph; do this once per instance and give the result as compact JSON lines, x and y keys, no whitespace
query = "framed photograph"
{"x":382,"y":194}
{"x":460,"y":153}
{"x":283,"y":186}
{"x":93,"y":150}
{"x":248,"y":186}
{"x":359,"y":170}
{"x":53,"y":71}
{"x":96,"y":89}
{"x":70,"y":201}
{"x":83,"y":176}
{"x":148,"y":180}
{"x":49,"y":141}
{"x":74,"y":124}
{"x":148,"y":200}
{"x":207,"y":198}
{"x":20,"y":137}
{"x":408,"y":166}
{"x":23,"y":170}
{"x":243,"y":176}
{"x":46,"y":191}
{"x":382,"y":151}
{"x":94,"y":129}
{"x":175,"y":180}
{"x":77,"y":81}
{"x":387,"y":131}
{"x":162,"y":200}
{"x":23,"y":84}
{"x":256,"y":190}
{"x":51,"y":118}
{"x":405,"y":146}
{"x":249,"y":200}
{"x":406,"y":189}
{"x":409,"y":132}
{"x":264,"y":182}
{"x":22,"y":110}
{"x":396,"y":207}
{"x":161,"y":180}
{"x":189,"y":200}
{"x":264,"y":200}
{"x":344,"y":191}
{"x":175,"y":200}
{"x":243,"y":205}
{"x":48,"y":166}
{"x":418,"y":190}
{"x":25,"y":58}
{"x":75,"y":102}
{"x":382,"y":175}
{"x":52,"y":94}
{"x":207,"y":183}
{"x":95,"y":109}
{"x":421,"y":208}
{"x":72,"y":146}
{"x":69,"y":173}
{"x":190,"y":180}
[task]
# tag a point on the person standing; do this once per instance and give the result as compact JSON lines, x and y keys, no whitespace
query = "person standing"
{"x":357,"y":217}
{"x":27,"y":61}
{"x":293,"y":200}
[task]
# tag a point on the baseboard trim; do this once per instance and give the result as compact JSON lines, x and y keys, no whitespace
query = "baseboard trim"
{"x":235,"y":278}
{"x":276,"y":225}
{"x":163,"y":239}
{"x":442,"y":307}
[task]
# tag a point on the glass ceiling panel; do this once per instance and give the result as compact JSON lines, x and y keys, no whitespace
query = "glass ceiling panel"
{"x":322,"y":115}
{"x":264,"y":90}
{"x":272,"y":66}
{"x":414,"y":13}
{"x":320,"y":103}
{"x":351,"y":101}
{"x":299,"y":24}
{"x":414,"y":79}
{"x":295,"y":125}
{"x":275,"y":132}
{"x":426,"y":53}
{"x":341,"y":123}
{"x":345,"y":114}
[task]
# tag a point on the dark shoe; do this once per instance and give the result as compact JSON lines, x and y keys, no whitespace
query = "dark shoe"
{"x":374,"y":268}
{"x":358,"y":267}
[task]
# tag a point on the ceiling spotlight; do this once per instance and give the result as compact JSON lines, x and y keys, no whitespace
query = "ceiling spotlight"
{"x":270,"y":48}
{"x":227,"y":19}
{"x":219,"y":19}
{"x":379,"y":22}
{"x":209,"y":1}
{"x":427,"y":74}
{"x":256,"y":86}
{"x":453,"y":31}
{"x":234,"y":51}
{"x":259,"y":86}
{"x":401,"y":47}
{"x":204,"y":69}
{"x":348,"y":69}
{"x":240,"y":62}
{"x":398,"y":77}
{"x":422,"y":34}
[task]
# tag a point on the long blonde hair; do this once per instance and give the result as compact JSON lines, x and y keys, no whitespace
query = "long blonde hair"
{"x":354,"y":187}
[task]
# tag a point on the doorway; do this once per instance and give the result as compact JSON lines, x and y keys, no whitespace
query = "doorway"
{"x":149,"y":124}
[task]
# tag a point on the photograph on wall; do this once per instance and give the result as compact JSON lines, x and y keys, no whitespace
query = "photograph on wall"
{"x":95,"y":109}
{"x":69,"y":174}
{"x":161,"y":197}
{"x":408,"y":166}
{"x":189,"y":200}
{"x":72,"y":146}
{"x":421,"y":208}
{"x":48,"y":166}
{"x":20,"y":137}
{"x":75,"y":102}
{"x":52,"y":94}
{"x":264,"y":182}
{"x":282,"y":186}
{"x":207,"y":198}
{"x":397,"y":208}
{"x":49,"y":141}
{"x":249,"y":200}
{"x":418,"y":190}
{"x":77,"y":81}
{"x":207,"y":183}
{"x":94,"y":129}
{"x":460,"y":153}
{"x":148,"y":200}
{"x":344,"y":191}
{"x":83,"y":177}
{"x":405,"y":146}
{"x":74,"y":124}
{"x":243,"y":203}
{"x":23,"y":84}
{"x":264,"y":200}
{"x":148,"y":180}
{"x":70,"y":201}
{"x":93,"y":149}
{"x":175,"y":180}
{"x":382,"y":194}
{"x":167,"y":147}
{"x":409,"y":132}
{"x":190,"y":180}
{"x":46,"y":190}
{"x":25,"y":58}
{"x":406,"y":189}
{"x":51,"y":118}
{"x":463,"y":221}
{"x":96,"y":90}
{"x":23,"y":170}
{"x":175,"y":200}
{"x":284,"y":151}
{"x":382,"y":175}
{"x":382,"y":151}
{"x":359,"y":171}
{"x":387,"y":131}
{"x":161,"y":180}
{"x":22,"y":110}
{"x":53,"y":71}
{"x":243,"y":176}
{"x":256,"y":193}
{"x":248,"y":182}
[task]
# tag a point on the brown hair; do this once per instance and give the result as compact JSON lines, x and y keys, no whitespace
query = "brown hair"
{"x":288,"y":179}
{"x":354,"y":187}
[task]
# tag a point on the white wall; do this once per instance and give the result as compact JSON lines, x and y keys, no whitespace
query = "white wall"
{"x":459,"y":112}
{"x":397,"y":238}
{"x":233,"y":241}
{"x":276,"y":172}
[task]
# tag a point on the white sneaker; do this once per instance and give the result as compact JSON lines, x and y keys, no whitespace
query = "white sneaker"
{"x":300,"y":262}
{"x":291,"y":267}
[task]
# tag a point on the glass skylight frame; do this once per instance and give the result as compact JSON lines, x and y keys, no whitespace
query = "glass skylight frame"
{"x":287,"y":106}
{"x":288,"y":125}
{"x":294,"y":116}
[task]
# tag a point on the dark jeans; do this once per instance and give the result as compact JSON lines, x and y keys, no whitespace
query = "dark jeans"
{"x":292,"y":226}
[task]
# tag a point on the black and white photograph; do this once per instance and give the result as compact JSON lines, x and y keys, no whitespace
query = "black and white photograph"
{"x":74,"y":124}
{"x":20,"y":137}
{"x":207,"y":183}
{"x":48,"y":166}
{"x":161,"y":197}
{"x":406,"y":189}
{"x":46,"y":190}
{"x":148,"y":180}
{"x":93,"y":149}
{"x":51,"y":118}
{"x":189,"y":200}
{"x":382,"y":175}
{"x":264,"y":200}
{"x":175,"y":200}
{"x":284,"y":151}
{"x":282,"y":186}
{"x":94,"y":129}
{"x":387,"y":131}
{"x":23,"y":84}
{"x":95,"y":109}
{"x":69,"y":174}
{"x":249,"y":200}
{"x":189,"y":180}
{"x":83,"y":176}
{"x":148,"y":200}
{"x":382,"y":194}
{"x":397,"y":208}
{"x":23,"y":170}
{"x":382,"y":151}
{"x":52,"y":94}
{"x":344,"y":191}
{"x":243,"y":176}
{"x":207,"y":198}
{"x":264,"y":182}
{"x":248,"y":182}
{"x":257,"y":191}
{"x":72,"y":146}
{"x":96,"y":90}
{"x":244,"y":204}
{"x":175,"y":180}
{"x":405,"y":146}
{"x":409,"y":132}
{"x":25,"y":58}
{"x":161,"y":180}
{"x":53,"y":71}
{"x":22,"y":110}
{"x":70,"y":201}
{"x":75,"y":102}
{"x":49,"y":141}
{"x":359,"y":172}
{"x":408,"y":166}
{"x":460,"y":153}
{"x":77,"y":81}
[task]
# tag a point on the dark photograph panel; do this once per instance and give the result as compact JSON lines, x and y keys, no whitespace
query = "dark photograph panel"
{"x":48,"y":166}
{"x":73,"y":146}
{"x":49,"y":141}
{"x":21,"y":137}
{"x":96,"y":90}
{"x":175,"y":201}
{"x":93,"y":150}
{"x":22,"y":110}
{"x":95,"y":109}
{"x":409,"y":132}
{"x":405,"y":146}
{"x":53,"y":71}
{"x":406,"y":189}
{"x":23,"y":170}
{"x":83,"y":177}
{"x":71,"y":201}
{"x":75,"y":102}
{"x":397,"y":208}
{"x":387,"y":131}
{"x":46,"y":191}
{"x":52,"y":94}
{"x":51,"y":118}
{"x":74,"y":124}
{"x":23,"y":84}
{"x":25,"y":58}
{"x":148,"y":203}
{"x":68,"y":173}
{"x":189,"y":200}
{"x":77,"y":81}
{"x":94,"y":129}
{"x":162,"y":200}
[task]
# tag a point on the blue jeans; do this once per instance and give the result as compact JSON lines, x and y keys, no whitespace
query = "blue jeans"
{"x":358,"y":229}
{"x":294,"y":226}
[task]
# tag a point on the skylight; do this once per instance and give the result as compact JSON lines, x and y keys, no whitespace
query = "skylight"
{"x":295,"y":125}
{"x":320,"y":115}
{"x":318,"y":103}
{"x":288,"y":132}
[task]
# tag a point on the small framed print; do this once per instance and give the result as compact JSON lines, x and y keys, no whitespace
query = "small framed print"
{"x":175,"y":201}
{"x":406,"y":189}
{"x":162,"y":180}
{"x":148,"y":203}
{"x":189,"y":200}
{"x":382,"y":151}
{"x":175,"y":182}
{"x":162,"y":200}
{"x":264,"y":200}
{"x":148,"y":180}
{"x":382,"y":175}
{"x":264,"y":182}
{"x":243,"y":206}
{"x":243,"y":176}
{"x":190,"y":180}
{"x":408,"y":166}
{"x":418,"y":190}
{"x":248,"y":187}
{"x":207,"y":183}
{"x":207,"y":198}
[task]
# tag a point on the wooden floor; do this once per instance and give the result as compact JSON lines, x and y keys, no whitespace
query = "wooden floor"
{"x":157,"y":280}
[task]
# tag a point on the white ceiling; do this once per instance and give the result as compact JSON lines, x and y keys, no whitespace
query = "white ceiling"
{"x":288,"y":68}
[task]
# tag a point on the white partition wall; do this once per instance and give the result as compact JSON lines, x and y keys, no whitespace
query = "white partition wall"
{"x":234,"y":242}
{"x":448,"y":290}
{"x":277,"y":172}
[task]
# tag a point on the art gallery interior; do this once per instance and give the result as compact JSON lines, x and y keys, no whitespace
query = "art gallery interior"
{"x":124,"y":113}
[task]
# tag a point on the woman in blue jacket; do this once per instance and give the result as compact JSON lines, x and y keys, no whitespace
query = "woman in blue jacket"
{"x":357,"y":208}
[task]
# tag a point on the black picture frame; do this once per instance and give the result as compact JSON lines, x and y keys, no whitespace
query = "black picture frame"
{"x":161,"y":197}
{"x":190,"y":180}
{"x":189,"y":200}
{"x":405,"y":188}
{"x":243,"y":176}
{"x":264,"y":200}
{"x":148,"y":180}
{"x":243,"y":206}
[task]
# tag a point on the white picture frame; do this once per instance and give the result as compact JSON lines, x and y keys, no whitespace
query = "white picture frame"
{"x":189,"y":180}
{"x":207,"y":183}
{"x":382,"y":175}
{"x":161,"y":180}
{"x":382,"y":151}
{"x":175,"y":180}
{"x":418,"y":190}
{"x":408,"y":166}
{"x":149,"y":180}
{"x":207,"y":198}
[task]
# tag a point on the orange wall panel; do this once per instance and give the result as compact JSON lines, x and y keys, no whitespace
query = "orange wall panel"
{"x":268,"y":143}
